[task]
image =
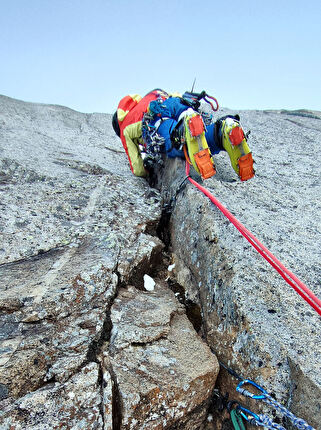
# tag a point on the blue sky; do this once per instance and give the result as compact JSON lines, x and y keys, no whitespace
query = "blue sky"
{"x":88,"y":54}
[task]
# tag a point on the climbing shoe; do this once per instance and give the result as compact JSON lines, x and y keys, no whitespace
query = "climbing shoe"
{"x":198,"y":152}
{"x":235,"y":144}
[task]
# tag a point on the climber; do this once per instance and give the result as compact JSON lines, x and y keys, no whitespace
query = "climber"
{"x":177,"y":121}
{"x":225,"y":134}
{"x":146,"y":127}
{"x":161,"y":123}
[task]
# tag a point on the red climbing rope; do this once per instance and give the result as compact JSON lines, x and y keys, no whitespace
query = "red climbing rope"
{"x":286,"y":274}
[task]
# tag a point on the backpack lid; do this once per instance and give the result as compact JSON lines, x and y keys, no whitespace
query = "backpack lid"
{"x":126,"y":104}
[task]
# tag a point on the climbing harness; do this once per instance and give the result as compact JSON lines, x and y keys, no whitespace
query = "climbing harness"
{"x":286,"y":274}
{"x":178,"y":135}
{"x":263,"y":420}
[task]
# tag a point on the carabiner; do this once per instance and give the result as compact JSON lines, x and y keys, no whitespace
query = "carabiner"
{"x":244,"y":410}
{"x":230,"y":405}
{"x":248,"y":393}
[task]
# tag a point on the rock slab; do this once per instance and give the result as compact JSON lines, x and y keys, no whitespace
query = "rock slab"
{"x":164,"y":371}
{"x":75,"y":226}
{"x":255,"y":322}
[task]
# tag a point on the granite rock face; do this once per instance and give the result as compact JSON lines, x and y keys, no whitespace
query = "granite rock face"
{"x":77,"y":228}
{"x":253,"y":320}
{"x":74,"y":404}
{"x":83,"y":345}
{"x":162,"y":369}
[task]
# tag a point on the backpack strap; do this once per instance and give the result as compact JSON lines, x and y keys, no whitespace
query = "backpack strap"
{"x":115,"y":124}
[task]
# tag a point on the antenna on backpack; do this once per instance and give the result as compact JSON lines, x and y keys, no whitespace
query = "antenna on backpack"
{"x":193,"y":85}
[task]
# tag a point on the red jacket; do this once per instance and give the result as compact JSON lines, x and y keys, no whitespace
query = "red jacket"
{"x":130,"y":113}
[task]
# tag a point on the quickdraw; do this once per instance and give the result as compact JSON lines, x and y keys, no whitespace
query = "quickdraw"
{"x":263,"y":420}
